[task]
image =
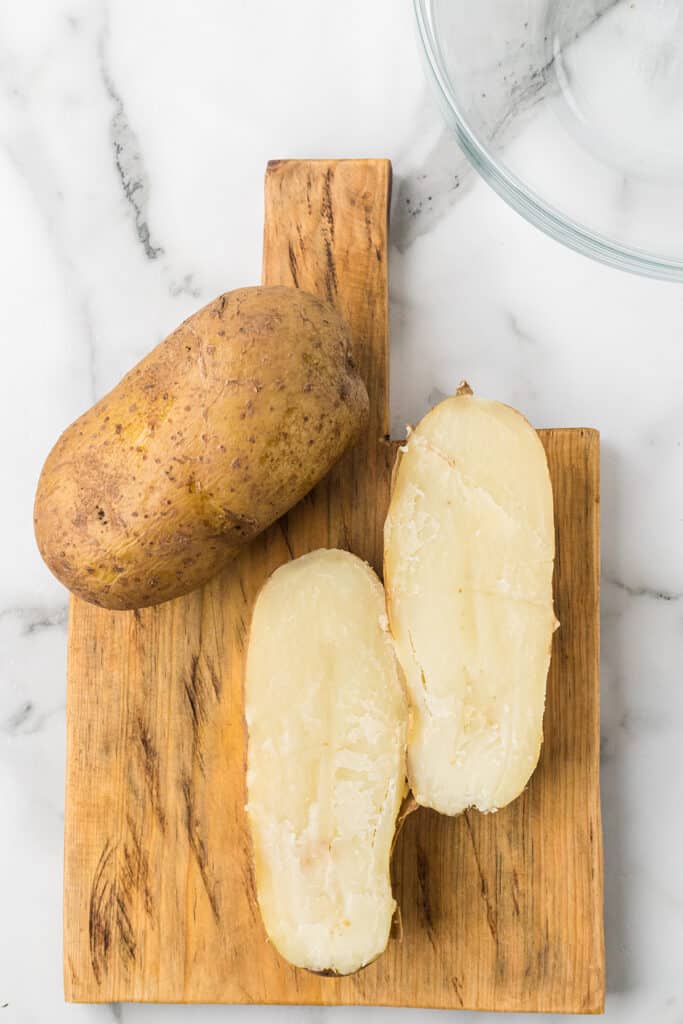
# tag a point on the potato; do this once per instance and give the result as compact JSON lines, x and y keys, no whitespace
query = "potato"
{"x":215,"y":434}
{"x":468,"y":565}
{"x":327,"y":720}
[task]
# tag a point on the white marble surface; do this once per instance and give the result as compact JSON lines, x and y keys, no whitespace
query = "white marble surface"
{"x":133,"y":139}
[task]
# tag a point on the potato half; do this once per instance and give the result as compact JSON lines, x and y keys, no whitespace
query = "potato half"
{"x":468,"y":564}
{"x":327,"y":719}
{"x":215,"y":434}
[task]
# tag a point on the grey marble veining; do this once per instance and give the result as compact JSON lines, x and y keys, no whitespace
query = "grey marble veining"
{"x":127,"y":156}
{"x":133,"y":139}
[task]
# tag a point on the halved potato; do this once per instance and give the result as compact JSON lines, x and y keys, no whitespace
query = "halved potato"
{"x":327,"y":721}
{"x":468,"y":564}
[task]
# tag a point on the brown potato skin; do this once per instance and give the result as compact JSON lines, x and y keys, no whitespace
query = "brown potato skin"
{"x":216,"y":433}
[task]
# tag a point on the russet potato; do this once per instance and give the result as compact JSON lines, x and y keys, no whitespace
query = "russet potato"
{"x":215,"y":434}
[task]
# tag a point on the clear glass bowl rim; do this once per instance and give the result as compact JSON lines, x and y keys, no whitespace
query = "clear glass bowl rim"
{"x":522,"y":199}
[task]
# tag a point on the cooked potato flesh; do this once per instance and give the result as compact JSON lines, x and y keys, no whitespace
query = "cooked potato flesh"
{"x":326,"y":715}
{"x":469,"y":550}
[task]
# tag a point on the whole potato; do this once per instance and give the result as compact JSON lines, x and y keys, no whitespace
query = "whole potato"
{"x":215,"y":434}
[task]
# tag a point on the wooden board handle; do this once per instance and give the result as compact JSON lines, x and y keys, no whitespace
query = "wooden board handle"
{"x":326,"y":231}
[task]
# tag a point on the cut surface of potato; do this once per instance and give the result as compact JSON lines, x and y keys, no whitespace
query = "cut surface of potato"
{"x":326,"y":715}
{"x":468,"y":564}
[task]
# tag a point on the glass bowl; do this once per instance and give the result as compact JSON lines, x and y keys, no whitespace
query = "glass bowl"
{"x":573,"y":112}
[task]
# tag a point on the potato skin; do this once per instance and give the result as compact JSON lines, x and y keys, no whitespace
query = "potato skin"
{"x":216,"y":433}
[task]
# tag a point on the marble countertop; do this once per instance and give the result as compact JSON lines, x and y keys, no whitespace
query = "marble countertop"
{"x":134,"y":138}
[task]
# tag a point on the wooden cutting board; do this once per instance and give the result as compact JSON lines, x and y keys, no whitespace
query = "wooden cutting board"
{"x":499,"y":912}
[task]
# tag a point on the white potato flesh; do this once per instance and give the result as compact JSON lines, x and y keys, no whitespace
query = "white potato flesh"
{"x":327,"y":720}
{"x":468,"y":566}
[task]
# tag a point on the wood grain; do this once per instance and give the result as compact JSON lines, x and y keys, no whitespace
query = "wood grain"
{"x":499,"y":912}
